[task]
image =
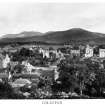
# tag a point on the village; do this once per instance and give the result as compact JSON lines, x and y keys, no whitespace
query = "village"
{"x":34,"y":68}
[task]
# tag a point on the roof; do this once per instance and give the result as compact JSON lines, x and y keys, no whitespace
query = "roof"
{"x":26,"y":76}
{"x":3,"y":75}
{"x":22,"y":81}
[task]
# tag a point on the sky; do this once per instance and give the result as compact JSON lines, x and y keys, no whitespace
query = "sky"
{"x":16,"y":17}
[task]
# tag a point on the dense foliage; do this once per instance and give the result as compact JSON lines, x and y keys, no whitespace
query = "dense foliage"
{"x":84,"y":78}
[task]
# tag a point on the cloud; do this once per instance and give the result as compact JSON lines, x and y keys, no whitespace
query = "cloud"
{"x":17,"y":17}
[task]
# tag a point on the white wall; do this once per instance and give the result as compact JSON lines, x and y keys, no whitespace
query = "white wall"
{"x":102,"y":53}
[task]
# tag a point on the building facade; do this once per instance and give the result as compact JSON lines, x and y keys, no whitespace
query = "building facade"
{"x":101,"y":53}
{"x":88,"y":51}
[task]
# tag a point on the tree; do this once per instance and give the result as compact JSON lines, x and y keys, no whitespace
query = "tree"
{"x":82,"y":75}
{"x":96,"y":83}
{"x":67,"y":77}
{"x":99,"y":83}
{"x":7,"y":92}
{"x":18,"y":68}
{"x":75,"y":75}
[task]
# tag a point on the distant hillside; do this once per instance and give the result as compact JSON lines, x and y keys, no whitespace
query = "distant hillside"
{"x":23,"y":34}
{"x":75,"y":34}
{"x":72,"y":34}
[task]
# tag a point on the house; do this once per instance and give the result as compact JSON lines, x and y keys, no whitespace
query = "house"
{"x":101,"y":53}
{"x":4,"y":76}
{"x":59,"y":54}
{"x":6,"y":61}
{"x":44,"y":52}
{"x":68,"y":45}
{"x":75,"y":52}
{"x":89,"y":51}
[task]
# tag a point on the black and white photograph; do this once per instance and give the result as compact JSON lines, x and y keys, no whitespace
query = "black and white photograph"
{"x":52,"y":50}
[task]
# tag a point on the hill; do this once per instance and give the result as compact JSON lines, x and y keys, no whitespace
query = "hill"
{"x":23,"y":34}
{"x":74,"y":35}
